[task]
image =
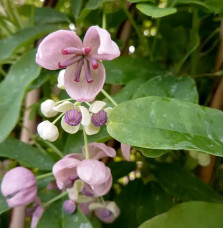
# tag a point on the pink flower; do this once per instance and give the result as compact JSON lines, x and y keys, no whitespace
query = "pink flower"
{"x":69,"y":206}
{"x":85,"y":74}
{"x":36,"y":216}
{"x":126,"y":151}
{"x":20,"y":185}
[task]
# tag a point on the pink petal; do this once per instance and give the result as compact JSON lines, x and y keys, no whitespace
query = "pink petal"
{"x":36,"y":216}
{"x":93,"y":172}
{"x":17,"y":179}
{"x":105,"y":215}
{"x":83,"y":91}
{"x":126,"y":151}
{"x":102,"y":46}
{"x":84,"y":207}
{"x":69,"y":206}
{"x":49,"y":52}
{"x":23,"y":197}
{"x":99,"y":150}
{"x":102,"y":189}
{"x":65,"y":171}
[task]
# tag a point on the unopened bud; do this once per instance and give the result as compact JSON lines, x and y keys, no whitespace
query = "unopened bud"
{"x":69,"y":206}
{"x":48,"y":131}
{"x":60,"y":79}
{"x":204,"y":159}
{"x":47,"y":108}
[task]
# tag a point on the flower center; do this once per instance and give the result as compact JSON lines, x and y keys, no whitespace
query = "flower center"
{"x":83,"y":59}
{"x":73,"y":117}
{"x":99,"y":119}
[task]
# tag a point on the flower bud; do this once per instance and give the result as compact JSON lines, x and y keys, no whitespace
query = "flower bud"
{"x":48,"y":131}
{"x":69,"y":206}
{"x":60,"y":79}
{"x":203,"y":159}
{"x":47,"y":108}
{"x":19,"y":185}
{"x":99,"y":119}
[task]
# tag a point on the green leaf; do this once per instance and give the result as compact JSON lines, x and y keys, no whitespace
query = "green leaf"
{"x":76,"y":7}
{"x":139,"y":202}
{"x":150,"y":153}
{"x":94,"y":4}
{"x":169,"y":86}
{"x":55,"y":217}
{"x":155,"y":11}
{"x":75,"y":142}
{"x":184,"y":184}
{"x":25,"y":154}
{"x":4,"y":206}
{"x":21,"y":74}
{"x":46,"y":15}
{"x":190,"y":214}
{"x":125,"y":69}
{"x":163,"y":123}
{"x":22,"y":38}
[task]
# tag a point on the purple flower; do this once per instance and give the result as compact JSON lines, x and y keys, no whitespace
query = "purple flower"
{"x":69,"y":206}
{"x":36,"y":216}
{"x":19,"y":186}
{"x":85,"y":74}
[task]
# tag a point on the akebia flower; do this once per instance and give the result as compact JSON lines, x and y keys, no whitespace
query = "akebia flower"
{"x":19,"y":186}
{"x":85,"y":73}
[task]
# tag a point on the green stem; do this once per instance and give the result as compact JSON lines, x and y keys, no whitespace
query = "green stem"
{"x":54,"y":199}
{"x":132,"y":21}
{"x":88,"y":104}
{"x":38,"y":146}
{"x":44,"y":176}
{"x":109,"y":97}
{"x":155,"y":40}
{"x":86,"y":145}
{"x":60,"y":116}
{"x":55,"y":149}
{"x":68,"y":99}
{"x":104,"y":20}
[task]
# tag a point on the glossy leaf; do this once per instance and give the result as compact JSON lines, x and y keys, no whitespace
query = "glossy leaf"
{"x":139,"y":202}
{"x":163,"y":123}
{"x":184,"y":184}
{"x":155,"y":11}
{"x":124,"y":69}
{"x":169,"y":86}
{"x":25,"y":154}
{"x":190,"y":214}
{"x":151,"y":153}
{"x":12,"y":89}
{"x":23,"y":37}
{"x":55,"y":217}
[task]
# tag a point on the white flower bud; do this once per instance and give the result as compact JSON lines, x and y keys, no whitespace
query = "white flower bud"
{"x":193,"y":153}
{"x":60,"y":79}
{"x":47,"y":108}
{"x":48,"y":131}
{"x":204,"y":159}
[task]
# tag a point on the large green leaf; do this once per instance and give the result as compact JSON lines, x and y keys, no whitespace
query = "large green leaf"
{"x":164,"y":123}
{"x":169,"y":86}
{"x":4,"y":206}
{"x":184,"y":184}
{"x":23,"y":37}
{"x":22,"y":73}
{"x":76,"y":7}
{"x":124,"y":69}
{"x":139,"y":202}
{"x":155,"y":11}
{"x":55,"y":217}
{"x":25,"y":154}
{"x":188,"y":215}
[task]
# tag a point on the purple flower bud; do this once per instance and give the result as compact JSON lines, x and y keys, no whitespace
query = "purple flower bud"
{"x":19,"y":185}
{"x":69,"y":206}
{"x":73,"y":117}
{"x":105,"y":215}
{"x":99,"y":119}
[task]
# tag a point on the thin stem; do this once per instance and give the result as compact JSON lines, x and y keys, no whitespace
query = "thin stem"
{"x":86,"y":145}
{"x":54,"y":199}
{"x":38,"y":145}
{"x":155,"y":40}
{"x":44,"y":176}
{"x":55,"y":149}
{"x":132,"y":21}
{"x":102,"y":200}
{"x":104,"y":20}
{"x":88,"y":104}
{"x":109,"y":97}
{"x":60,"y":116}
{"x":68,"y":99}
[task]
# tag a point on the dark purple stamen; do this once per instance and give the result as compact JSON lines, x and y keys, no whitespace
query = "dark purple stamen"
{"x":99,"y":119}
{"x":77,"y":73}
{"x":73,"y":117}
{"x":87,"y":71}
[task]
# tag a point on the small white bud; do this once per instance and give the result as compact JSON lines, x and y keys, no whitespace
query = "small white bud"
{"x":47,"y":108}
{"x":204,"y":159}
{"x":48,"y":131}
{"x":193,"y":153}
{"x":60,"y":79}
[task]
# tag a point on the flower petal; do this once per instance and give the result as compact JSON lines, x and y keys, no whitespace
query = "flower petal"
{"x":126,"y":151}
{"x":97,"y":106}
{"x":91,"y":129}
{"x":86,"y":117}
{"x":68,"y":128}
{"x":102,"y":189}
{"x":36,"y":216}
{"x":102,"y":46}
{"x":83,"y":91}
{"x":49,"y":52}
{"x":65,"y":106}
{"x":84,"y":207}
{"x":99,"y":150}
